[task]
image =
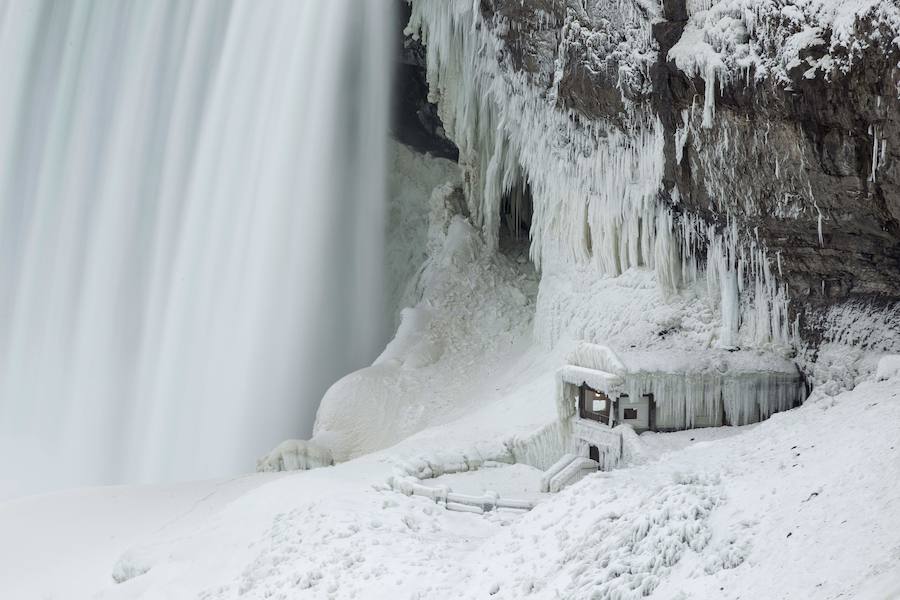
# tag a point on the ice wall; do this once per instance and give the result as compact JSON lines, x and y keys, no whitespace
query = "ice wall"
{"x":687,"y":400}
{"x":191,"y":224}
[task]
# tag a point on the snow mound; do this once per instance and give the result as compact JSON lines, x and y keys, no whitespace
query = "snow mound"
{"x":855,"y":336}
{"x":131,"y":564}
{"x":294,"y":455}
{"x":888,"y":367}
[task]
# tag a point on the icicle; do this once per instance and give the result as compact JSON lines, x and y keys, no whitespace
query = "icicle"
{"x":874,"y":131}
{"x":730,"y":310}
{"x":819,"y":223}
{"x":709,"y":101}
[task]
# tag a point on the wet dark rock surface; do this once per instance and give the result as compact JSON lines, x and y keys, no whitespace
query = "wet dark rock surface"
{"x":414,"y":120}
{"x":800,"y":155}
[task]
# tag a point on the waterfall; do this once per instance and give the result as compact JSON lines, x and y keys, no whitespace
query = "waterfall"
{"x":191,"y":229}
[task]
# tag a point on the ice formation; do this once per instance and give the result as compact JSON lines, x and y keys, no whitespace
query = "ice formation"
{"x":855,"y":338}
{"x":739,"y":398}
{"x":295,"y":455}
{"x":753,"y":39}
{"x":595,"y":185}
{"x":700,"y":391}
{"x":594,"y":188}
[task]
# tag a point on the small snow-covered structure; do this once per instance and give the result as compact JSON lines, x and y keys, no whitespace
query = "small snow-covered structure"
{"x":597,"y":391}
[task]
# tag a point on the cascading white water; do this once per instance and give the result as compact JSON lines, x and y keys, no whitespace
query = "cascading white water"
{"x":191,"y":229}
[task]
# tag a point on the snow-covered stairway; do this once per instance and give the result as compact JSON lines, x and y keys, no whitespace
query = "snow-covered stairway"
{"x":566,"y":471}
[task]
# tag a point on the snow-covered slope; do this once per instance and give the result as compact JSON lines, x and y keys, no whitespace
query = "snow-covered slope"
{"x":801,"y":506}
{"x":68,"y":544}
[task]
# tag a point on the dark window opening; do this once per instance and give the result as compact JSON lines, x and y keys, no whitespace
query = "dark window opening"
{"x":651,"y":408}
{"x":594,"y":453}
{"x":594,"y":405}
{"x":630,"y":413}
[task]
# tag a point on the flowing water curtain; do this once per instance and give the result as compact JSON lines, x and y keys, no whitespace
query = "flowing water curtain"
{"x":191,"y":228}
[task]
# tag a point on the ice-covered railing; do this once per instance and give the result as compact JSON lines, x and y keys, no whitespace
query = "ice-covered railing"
{"x":595,"y":186}
{"x":409,"y":480}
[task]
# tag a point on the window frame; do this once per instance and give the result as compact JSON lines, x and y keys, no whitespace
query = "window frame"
{"x":587,"y":392}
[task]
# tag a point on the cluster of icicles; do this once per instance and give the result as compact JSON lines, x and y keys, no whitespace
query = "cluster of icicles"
{"x":683,"y":400}
{"x":594,"y":187}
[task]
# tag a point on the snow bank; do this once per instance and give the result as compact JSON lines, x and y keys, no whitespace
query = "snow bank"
{"x":888,"y":367}
{"x":694,"y":520}
{"x":703,"y":521}
{"x":294,"y":455}
{"x":854,"y":337}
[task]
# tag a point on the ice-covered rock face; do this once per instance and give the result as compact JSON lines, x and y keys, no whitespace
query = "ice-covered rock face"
{"x":778,"y":123}
{"x":805,"y":141}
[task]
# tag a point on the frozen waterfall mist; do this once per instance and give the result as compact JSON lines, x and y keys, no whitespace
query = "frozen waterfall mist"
{"x":191,"y":229}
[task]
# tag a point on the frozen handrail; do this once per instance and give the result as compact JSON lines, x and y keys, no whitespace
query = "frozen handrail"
{"x":451,"y":500}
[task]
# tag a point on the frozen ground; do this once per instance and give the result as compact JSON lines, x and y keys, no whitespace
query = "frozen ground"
{"x":63,"y":545}
{"x":804,"y":505}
